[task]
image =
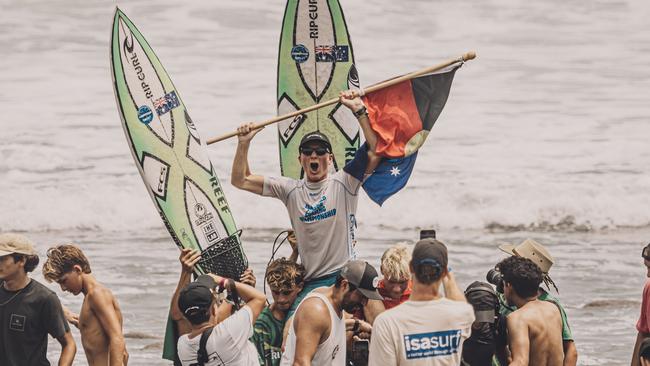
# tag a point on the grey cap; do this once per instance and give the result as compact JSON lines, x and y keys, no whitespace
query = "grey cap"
{"x":363,"y":276}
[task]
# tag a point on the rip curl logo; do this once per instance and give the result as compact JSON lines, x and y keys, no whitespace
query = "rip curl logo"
{"x":317,"y":212}
{"x":434,"y":344}
{"x":17,"y":322}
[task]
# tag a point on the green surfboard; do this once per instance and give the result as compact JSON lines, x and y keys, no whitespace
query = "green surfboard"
{"x":315,"y":63}
{"x":168,"y":151}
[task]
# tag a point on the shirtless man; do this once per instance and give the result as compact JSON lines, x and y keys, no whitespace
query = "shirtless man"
{"x":535,"y":328}
{"x":100,"y":319}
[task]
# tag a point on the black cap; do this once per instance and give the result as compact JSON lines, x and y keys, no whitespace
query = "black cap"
{"x":429,"y":251}
{"x":316,"y":137}
{"x":196,"y":296}
{"x":644,"y":349}
{"x":363,"y":276}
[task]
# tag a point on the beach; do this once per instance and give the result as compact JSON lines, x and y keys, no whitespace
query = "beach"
{"x":543,"y":136}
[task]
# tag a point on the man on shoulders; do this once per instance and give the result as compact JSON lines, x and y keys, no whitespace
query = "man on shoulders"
{"x":535,"y":328}
{"x":29,"y":311}
{"x":428,"y":329}
{"x":317,"y":333}
{"x":321,"y":206}
{"x":100,"y":318}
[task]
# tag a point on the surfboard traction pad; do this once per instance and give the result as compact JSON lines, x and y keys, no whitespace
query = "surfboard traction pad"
{"x":170,"y":155}
{"x":315,"y":63}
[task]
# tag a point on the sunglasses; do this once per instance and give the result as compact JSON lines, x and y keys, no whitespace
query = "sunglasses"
{"x":320,"y":151}
{"x":646,"y":252}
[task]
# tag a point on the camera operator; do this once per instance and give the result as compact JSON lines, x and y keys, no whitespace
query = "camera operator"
{"x":534,"y":251}
{"x":488,"y":330}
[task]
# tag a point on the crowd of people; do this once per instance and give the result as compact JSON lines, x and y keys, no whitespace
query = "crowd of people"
{"x":328,"y":307}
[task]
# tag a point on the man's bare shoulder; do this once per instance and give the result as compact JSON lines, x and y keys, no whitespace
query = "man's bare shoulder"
{"x":99,"y":295}
{"x":313,"y":311}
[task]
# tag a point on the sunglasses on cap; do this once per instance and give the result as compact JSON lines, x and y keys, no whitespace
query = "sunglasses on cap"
{"x":320,"y":151}
{"x":645,"y":253}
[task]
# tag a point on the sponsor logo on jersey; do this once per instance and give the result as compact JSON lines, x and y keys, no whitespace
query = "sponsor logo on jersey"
{"x":17,"y":322}
{"x":317,"y":212}
{"x":145,"y":115}
{"x":433,"y":344}
{"x":299,"y":53}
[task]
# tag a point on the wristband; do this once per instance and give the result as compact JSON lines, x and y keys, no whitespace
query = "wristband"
{"x":361,"y":112}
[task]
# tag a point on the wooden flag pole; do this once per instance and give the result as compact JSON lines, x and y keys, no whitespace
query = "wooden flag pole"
{"x":384,"y":84}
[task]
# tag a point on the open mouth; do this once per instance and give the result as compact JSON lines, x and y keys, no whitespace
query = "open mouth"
{"x":313,"y":167}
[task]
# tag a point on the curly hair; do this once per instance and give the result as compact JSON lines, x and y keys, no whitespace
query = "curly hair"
{"x":61,"y":259}
{"x":395,"y":263}
{"x":523,"y":274}
{"x":283,"y":275}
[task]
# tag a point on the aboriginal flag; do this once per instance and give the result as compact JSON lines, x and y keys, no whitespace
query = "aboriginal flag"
{"x":402,"y":116}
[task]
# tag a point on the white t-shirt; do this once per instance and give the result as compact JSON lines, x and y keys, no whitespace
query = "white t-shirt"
{"x":419,"y":333}
{"x":227,"y":345}
{"x":322,"y":215}
{"x":329,"y":353}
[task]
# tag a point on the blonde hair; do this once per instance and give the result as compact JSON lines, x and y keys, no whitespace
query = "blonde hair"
{"x":395,"y":263}
{"x":61,"y":259}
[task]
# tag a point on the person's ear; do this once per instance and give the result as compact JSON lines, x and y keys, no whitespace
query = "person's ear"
{"x":77,"y":268}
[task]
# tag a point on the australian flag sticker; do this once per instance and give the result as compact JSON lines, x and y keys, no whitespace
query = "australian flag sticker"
{"x":332,"y":53}
{"x":166,"y":103}
{"x":434,"y":344}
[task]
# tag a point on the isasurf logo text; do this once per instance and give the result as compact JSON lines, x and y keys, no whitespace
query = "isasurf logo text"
{"x":434,"y":344}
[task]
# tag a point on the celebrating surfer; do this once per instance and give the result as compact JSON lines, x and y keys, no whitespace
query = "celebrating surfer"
{"x":321,"y":206}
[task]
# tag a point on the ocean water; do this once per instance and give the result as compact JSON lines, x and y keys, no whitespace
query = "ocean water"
{"x":543,"y":136}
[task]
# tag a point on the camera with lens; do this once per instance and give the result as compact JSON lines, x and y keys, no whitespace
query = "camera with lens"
{"x":496,"y":278}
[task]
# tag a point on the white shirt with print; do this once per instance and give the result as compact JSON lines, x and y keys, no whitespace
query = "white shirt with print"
{"x":421,"y":333}
{"x":227,"y":345}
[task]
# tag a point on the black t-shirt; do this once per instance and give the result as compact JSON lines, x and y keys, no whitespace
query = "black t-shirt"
{"x":26,"y":320}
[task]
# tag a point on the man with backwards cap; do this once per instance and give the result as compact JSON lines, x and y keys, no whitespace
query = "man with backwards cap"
{"x":226,"y":343}
{"x":429,"y":328}
{"x":29,"y":311}
{"x":536,"y":252}
{"x":321,"y":206}
{"x":317,"y":334}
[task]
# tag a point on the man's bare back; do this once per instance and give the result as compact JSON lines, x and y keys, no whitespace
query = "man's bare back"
{"x":100,"y":306}
{"x":536,"y":326}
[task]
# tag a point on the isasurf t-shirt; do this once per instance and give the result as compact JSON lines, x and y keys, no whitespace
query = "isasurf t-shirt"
{"x":27,"y":316}
{"x":421,"y":333}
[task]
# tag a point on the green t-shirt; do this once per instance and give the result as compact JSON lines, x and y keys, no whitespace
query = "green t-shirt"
{"x":267,"y":338}
{"x":506,"y":309}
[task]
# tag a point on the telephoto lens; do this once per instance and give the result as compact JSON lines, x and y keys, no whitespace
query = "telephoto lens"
{"x":496,"y":278}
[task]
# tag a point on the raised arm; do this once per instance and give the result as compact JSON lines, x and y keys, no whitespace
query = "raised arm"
{"x":253,"y":298}
{"x":188,"y":259}
{"x":355,"y":104}
{"x":452,"y":292}
{"x":101,"y":303}
{"x":241,"y":176}
{"x":518,"y":340}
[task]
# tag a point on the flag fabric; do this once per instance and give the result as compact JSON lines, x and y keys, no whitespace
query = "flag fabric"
{"x":389,"y":177}
{"x":402,"y":116}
